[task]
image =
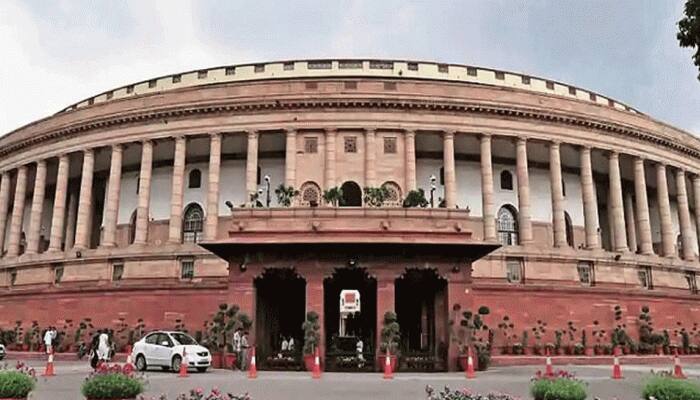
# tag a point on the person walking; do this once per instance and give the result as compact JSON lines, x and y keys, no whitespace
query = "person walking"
{"x":103,"y":347}
{"x":48,"y":340}
{"x":244,"y":351}
{"x":237,"y":348}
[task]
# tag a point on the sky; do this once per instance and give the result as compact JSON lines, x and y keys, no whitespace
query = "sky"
{"x":55,"y":53}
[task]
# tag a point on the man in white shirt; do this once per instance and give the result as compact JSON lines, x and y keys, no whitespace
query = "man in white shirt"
{"x":48,"y":340}
{"x":237,"y":346}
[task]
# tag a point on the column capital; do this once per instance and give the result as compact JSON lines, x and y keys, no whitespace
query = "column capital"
{"x":179,"y":137}
{"x":372,"y":130}
{"x":521,"y":139}
{"x":218,"y":134}
{"x":291,"y":130}
{"x":586,"y":147}
{"x":555,"y":144}
{"x":332,"y":130}
{"x":118,"y":147}
{"x":409,"y":132}
{"x":485,"y":135}
{"x":612,"y":154}
{"x":252,"y":133}
{"x":449,"y":134}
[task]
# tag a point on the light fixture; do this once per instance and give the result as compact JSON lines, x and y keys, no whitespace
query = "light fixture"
{"x":229,"y":205}
{"x":267,"y":187}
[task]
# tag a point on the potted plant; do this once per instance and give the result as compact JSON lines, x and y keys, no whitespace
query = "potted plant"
{"x":285,"y":195}
{"x":215,"y":394}
{"x":333,"y":196}
{"x":375,"y":196}
{"x":524,"y":341}
{"x":312,"y":338}
{"x":506,"y":327}
{"x":223,"y":323}
{"x":17,"y":383}
{"x":599,"y":335}
{"x":557,"y":341}
{"x":465,"y":333}
{"x":390,"y":337}
{"x":415,"y":198}
{"x":112,"y":382}
{"x":539,"y":331}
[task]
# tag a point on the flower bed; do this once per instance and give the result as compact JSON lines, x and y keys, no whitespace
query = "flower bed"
{"x":562,"y":386}
{"x":667,"y":388}
{"x":17,"y":383}
{"x":282,"y":364}
{"x":112,"y":383}
{"x":464,"y":394}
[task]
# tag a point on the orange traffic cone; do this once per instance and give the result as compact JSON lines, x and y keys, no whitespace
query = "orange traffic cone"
{"x":316,"y":371}
{"x":49,"y":366}
{"x":677,"y":369}
{"x":470,"y":364}
{"x":129,"y":361}
{"x":549,"y":371}
{"x":183,"y":365}
{"x":253,"y":369}
{"x":388,"y":373}
{"x":617,"y":370}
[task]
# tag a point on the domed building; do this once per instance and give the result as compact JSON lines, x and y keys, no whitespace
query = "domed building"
{"x":415,"y":187}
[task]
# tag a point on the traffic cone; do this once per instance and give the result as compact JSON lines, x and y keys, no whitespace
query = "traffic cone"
{"x":183,"y":365}
{"x":49,"y":366}
{"x":129,"y":360}
{"x":677,"y":369}
{"x":617,"y":370}
{"x":388,"y":373}
{"x":470,"y":364}
{"x":316,"y":371}
{"x":253,"y":370}
{"x":549,"y":371}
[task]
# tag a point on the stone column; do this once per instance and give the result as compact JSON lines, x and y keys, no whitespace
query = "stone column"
{"x":410,"y":148}
{"x":82,"y":234}
{"x":290,"y":159}
{"x":37,"y":208}
{"x":684,"y":217}
{"x":524,"y":219}
{"x":630,"y":222}
{"x":109,"y":237}
{"x":214,"y":178}
{"x":590,"y":202}
{"x":330,"y":158}
{"x":616,"y":204}
{"x":177,"y":191}
{"x":71,"y":219}
{"x":59,"y":204}
{"x":4,"y":204}
{"x":17,"y":212}
{"x":642,"y":208}
{"x":385,"y":302}
{"x":667,"y":236}
{"x":558,"y":219}
{"x":448,"y":152}
{"x":370,"y":158}
{"x":144,"y":200}
{"x":251,"y":169}
{"x":314,"y":302}
{"x":696,"y":198}
{"x":487,"y":206}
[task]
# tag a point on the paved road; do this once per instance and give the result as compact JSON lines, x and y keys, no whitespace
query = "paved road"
{"x":347,"y":386}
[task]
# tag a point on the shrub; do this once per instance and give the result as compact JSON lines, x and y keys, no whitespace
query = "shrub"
{"x":464,"y":394}
{"x":111,"y":383}
{"x":15,"y":384}
{"x":664,"y":388}
{"x":562,"y":386}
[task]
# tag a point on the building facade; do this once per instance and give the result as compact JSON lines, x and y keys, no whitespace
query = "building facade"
{"x":548,"y":201}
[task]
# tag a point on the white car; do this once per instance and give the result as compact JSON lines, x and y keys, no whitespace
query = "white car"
{"x":164,"y":349}
{"x":2,"y":351}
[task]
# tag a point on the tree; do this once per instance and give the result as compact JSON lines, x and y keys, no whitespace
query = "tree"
{"x":415,"y":198}
{"x":285,"y":195}
{"x":333,"y":196}
{"x":689,"y":29}
{"x":375,"y":197}
{"x":311,"y":328}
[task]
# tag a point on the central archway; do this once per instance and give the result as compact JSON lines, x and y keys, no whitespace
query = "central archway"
{"x":352,"y":194}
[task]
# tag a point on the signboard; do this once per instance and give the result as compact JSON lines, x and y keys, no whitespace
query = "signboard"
{"x":349,"y":301}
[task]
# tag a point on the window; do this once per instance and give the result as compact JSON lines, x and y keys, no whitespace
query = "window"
{"x":177,"y":78}
{"x":592,"y":96}
{"x":350,"y":64}
{"x":152,"y":338}
{"x":572,"y":91}
{"x":152,"y":83}
{"x":443,"y":68}
{"x":514,"y":270}
{"x":550,"y":85}
{"x":644,"y":275}
{"x":259,"y":68}
{"x":525,"y":80}
{"x":611,"y":103}
{"x":130,"y":89}
{"x":585,"y":273}
{"x":506,"y":180}
{"x":311,"y":145}
{"x":288,"y":66}
{"x":202,"y":74}
{"x":390,"y":145}
{"x":350,"y":144}
{"x":57,"y":274}
{"x":109,"y":95}
{"x":442,"y":176}
{"x":259,"y":175}
{"x":117,"y":272}
{"x":413,"y":66}
{"x":500,"y":75}
{"x":13,"y":276}
{"x":91,"y":101}
{"x":471,"y":71}
{"x":310,"y":194}
{"x":192,"y":224}
{"x":507,"y":224}
{"x":195,"y":179}
{"x":351,"y":85}
{"x":692,"y":283}
{"x":187,"y":268}
{"x":319,"y":65}
{"x":230,"y":70}
{"x":381,"y":65}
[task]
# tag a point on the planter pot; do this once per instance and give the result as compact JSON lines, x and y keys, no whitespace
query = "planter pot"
{"x":216,"y":360}
{"x":393,"y":360}
{"x":309,"y":362}
{"x":588,"y":351}
{"x":229,"y":360}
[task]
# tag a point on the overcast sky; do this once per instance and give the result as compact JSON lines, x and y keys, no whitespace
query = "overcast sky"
{"x":54,"y":53}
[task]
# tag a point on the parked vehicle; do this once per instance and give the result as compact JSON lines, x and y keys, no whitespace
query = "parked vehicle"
{"x":3,"y":353}
{"x":165,"y":349}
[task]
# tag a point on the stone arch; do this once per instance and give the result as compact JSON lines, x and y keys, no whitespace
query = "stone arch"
{"x":352,"y":194}
{"x":309,"y":194}
{"x":394,"y":196}
{"x":192,"y":223}
{"x":507,"y":225}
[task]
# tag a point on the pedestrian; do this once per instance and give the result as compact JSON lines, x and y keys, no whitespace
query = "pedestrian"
{"x":48,"y":340}
{"x":94,"y":344}
{"x":290,"y":345}
{"x":237,"y":347}
{"x":244,"y":351}
{"x":103,"y":347}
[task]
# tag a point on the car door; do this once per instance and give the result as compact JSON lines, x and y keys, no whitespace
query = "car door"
{"x":149,"y":349}
{"x":163,"y":348}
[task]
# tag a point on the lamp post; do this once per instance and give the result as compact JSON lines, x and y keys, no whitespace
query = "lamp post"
{"x":267,"y":186}
{"x":432,"y":190}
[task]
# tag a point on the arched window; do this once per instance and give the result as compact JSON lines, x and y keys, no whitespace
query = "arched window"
{"x":195,"y":180}
{"x":569,"y":229}
{"x":506,"y":180}
{"x":507,"y":224}
{"x":192,"y":223}
{"x":132,"y":227}
{"x":310,"y":194}
{"x":352,"y":194}
{"x":393,"y":198}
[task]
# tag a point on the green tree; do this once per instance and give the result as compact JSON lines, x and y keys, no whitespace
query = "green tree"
{"x":689,"y":29}
{"x":285,"y":195}
{"x":333,"y":196}
{"x":375,"y":197}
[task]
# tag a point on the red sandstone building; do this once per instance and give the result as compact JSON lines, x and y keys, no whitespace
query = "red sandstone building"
{"x":551,"y":203}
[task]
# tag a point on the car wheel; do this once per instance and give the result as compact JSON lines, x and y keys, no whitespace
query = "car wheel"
{"x":201,"y":369}
{"x":177,"y":360}
{"x":141,"y":363}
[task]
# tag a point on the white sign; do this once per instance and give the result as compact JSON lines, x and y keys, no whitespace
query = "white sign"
{"x":349,"y":301}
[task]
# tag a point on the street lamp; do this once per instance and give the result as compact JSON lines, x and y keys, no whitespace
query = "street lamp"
{"x":267,"y":185}
{"x":432,"y":190}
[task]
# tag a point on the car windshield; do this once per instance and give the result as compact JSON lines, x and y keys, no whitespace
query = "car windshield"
{"x":183,"y":339}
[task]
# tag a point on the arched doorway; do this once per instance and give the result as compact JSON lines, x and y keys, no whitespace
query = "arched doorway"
{"x":421,"y":309}
{"x":280,"y":304}
{"x":352,"y":194}
{"x":342,"y":340}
